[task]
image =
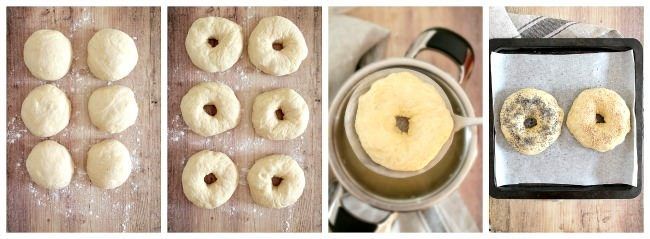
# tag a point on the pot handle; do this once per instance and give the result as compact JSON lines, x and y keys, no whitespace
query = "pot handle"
{"x":340,"y":220}
{"x":449,"y":43}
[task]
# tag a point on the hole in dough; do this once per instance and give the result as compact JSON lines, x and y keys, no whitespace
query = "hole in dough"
{"x":213,"y":42}
{"x":276,"y":181}
{"x":210,"y":110}
{"x":278,"y":46}
{"x":402,"y":123}
{"x":209,"y":179}
{"x":530,"y":122}
{"x":279,"y":114}
{"x":600,"y":119}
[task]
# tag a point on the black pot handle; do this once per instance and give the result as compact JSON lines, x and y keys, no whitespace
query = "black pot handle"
{"x":341,"y":220}
{"x":448,"y":42}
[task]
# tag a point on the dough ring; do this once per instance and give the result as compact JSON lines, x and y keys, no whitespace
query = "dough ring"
{"x":214,"y":44}
{"x":531,"y":120}
{"x":49,"y":165}
{"x":209,"y":179}
{"x":276,"y":181}
{"x":402,"y":122}
{"x":599,"y":119}
{"x":276,"y":46}
{"x":210,"y":108}
{"x":280,"y":114}
{"x":46,"y":111}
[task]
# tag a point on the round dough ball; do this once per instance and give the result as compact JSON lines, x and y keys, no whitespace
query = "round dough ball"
{"x":281,"y":32}
{"x":209,"y":179}
{"x":280,"y":114}
{"x":396,"y":98}
{"x":112,"y":54}
{"x":531,"y":120}
{"x":210,"y":94}
{"x":599,"y":119}
{"x":108,"y":164}
{"x":276,"y":181}
{"x":227,"y":38}
{"x":49,"y":165}
{"x":113,"y":108}
{"x":46,"y":111}
{"x":48,"y":54}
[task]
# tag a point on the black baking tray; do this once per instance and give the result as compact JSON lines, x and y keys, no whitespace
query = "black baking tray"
{"x":571,"y":46}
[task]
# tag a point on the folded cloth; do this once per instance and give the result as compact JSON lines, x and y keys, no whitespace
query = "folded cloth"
{"x":510,"y":25}
{"x":350,"y":41}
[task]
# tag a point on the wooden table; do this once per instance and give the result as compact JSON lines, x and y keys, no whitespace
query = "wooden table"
{"x":575,"y":215}
{"x":241,"y":144}
{"x":405,"y":24}
{"x":134,"y":206}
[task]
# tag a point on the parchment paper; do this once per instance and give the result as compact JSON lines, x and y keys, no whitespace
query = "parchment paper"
{"x":564,"y":76}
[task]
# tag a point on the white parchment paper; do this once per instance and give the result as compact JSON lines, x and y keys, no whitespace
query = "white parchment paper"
{"x":564,"y":76}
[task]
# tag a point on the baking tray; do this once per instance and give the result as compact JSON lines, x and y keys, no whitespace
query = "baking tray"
{"x":571,"y":46}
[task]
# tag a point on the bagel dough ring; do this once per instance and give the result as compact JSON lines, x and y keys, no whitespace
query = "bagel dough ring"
{"x":583,"y":123}
{"x":531,"y":120}
{"x":216,"y":164}
{"x":113,"y":108}
{"x":402,"y":96}
{"x":49,"y":165}
{"x":48,"y":54}
{"x":260,"y":180}
{"x":210,"y":93}
{"x":229,"y":40}
{"x":292,"y":109}
{"x":112,"y":54}
{"x":277,"y":30}
{"x":46,"y":111}
{"x":108,"y":164}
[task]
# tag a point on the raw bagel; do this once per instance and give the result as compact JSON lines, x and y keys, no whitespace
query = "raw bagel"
{"x":45,"y":111}
{"x":260,"y":180}
{"x":48,"y":54}
{"x":531,"y":120}
{"x":113,"y":108}
{"x":112,"y":54}
{"x":402,"y":97}
{"x":210,"y":93}
{"x":229,"y":41}
{"x":277,"y":30}
{"x":600,"y":134}
{"x":49,"y":165}
{"x":108,"y":164}
{"x":280,"y":114}
{"x":223,"y":182}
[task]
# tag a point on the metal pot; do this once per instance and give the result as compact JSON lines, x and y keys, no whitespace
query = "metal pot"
{"x":425,"y":189}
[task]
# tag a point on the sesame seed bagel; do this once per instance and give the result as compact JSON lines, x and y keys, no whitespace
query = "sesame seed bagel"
{"x":599,"y":119}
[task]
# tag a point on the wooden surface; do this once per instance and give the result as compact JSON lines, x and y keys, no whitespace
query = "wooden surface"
{"x":241,"y":144}
{"x":134,"y":206}
{"x":575,"y":215}
{"x":405,"y":24}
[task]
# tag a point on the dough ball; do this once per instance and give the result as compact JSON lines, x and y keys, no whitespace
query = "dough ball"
{"x":49,"y":165}
{"x":45,"y":111}
{"x":276,"y":46}
{"x":214,"y":44}
{"x":280,"y":114}
{"x":113,"y":108}
{"x":48,"y":54}
{"x":108,"y":164}
{"x":112,"y":54}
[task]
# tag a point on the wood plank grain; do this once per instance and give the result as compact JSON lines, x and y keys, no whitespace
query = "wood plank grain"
{"x":241,"y":144}
{"x":81,"y":207}
{"x":405,"y":24}
{"x":575,"y":215}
